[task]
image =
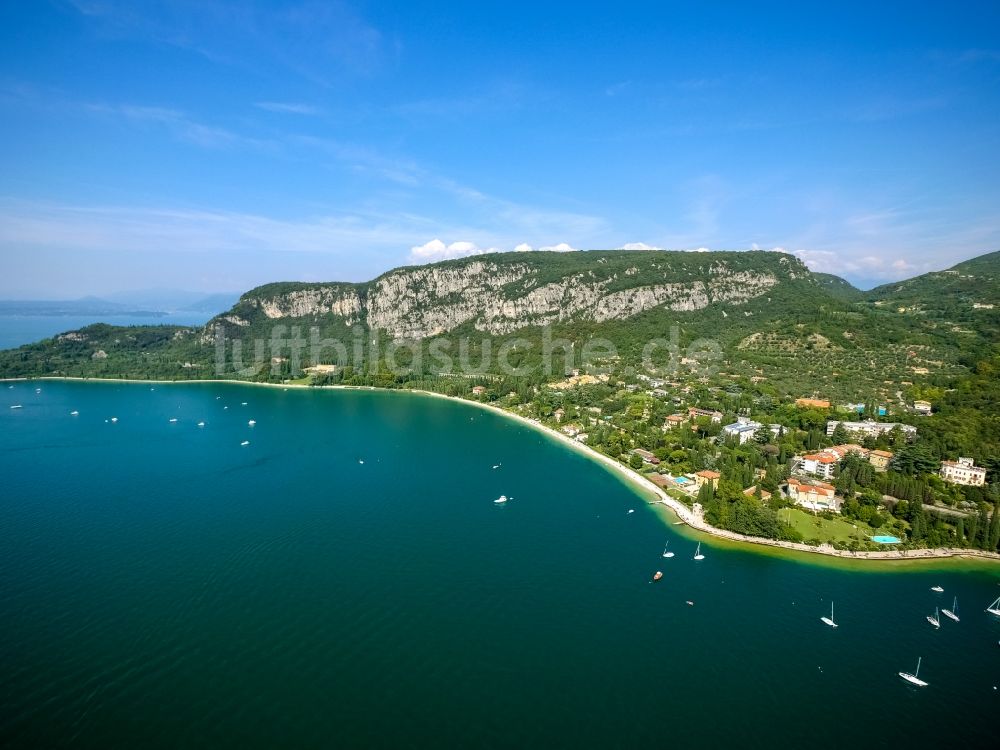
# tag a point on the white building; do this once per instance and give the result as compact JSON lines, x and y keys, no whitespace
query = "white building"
{"x":743,"y":428}
{"x":963,"y":471}
{"x":871,"y":427}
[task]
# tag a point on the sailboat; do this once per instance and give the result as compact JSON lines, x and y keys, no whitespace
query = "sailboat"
{"x":953,"y":612}
{"x":915,"y":677}
{"x":934,"y":619}
{"x":938,"y":589}
{"x":671,"y":554}
{"x":994,"y":608}
{"x":829,"y":620}
{"x":501,"y":500}
{"x":697,"y":553}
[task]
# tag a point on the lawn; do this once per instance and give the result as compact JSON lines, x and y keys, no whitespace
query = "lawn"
{"x":814,"y":527}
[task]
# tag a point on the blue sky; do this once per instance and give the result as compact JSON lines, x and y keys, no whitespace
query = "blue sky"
{"x":219,"y":145}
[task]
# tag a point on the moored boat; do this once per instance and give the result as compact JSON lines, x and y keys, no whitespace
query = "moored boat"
{"x":914,"y":678}
{"x":829,"y":620}
{"x":953,"y":612}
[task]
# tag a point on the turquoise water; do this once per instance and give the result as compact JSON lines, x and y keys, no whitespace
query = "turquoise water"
{"x":886,"y":539}
{"x":162,"y":586}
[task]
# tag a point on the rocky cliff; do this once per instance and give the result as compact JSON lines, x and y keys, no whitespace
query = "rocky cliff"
{"x":502,"y":293}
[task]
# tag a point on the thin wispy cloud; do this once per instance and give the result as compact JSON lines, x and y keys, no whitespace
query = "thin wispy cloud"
{"x":180,"y":125}
{"x":289,"y":108}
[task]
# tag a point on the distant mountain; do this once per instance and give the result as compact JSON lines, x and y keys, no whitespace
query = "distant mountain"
{"x":838,"y":287}
{"x":175,"y":300}
{"x":87,"y":306}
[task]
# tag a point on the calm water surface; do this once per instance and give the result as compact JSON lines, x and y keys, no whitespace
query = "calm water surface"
{"x":346,"y":580}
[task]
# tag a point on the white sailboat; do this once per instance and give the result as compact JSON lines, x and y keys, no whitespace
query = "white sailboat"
{"x":665,"y":553}
{"x":829,"y":620}
{"x":915,"y":677}
{"x":934,"y":619}
{"x":938,"y":589}
{"x":953,"y":612}
{"x":994,"y":608}
{"x":501,"y":500}
{"x":697,"y":553}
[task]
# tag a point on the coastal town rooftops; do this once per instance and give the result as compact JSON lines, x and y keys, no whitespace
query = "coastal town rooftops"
{"x":708,"y":474}
{"x":882,"y":453}
{"x":810,"y":485}
{"x":823,"y":458}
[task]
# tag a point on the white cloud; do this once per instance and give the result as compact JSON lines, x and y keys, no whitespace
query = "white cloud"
{"x":437,"y":250}
{"x":562,"y":247}
{"x":524,"y":247}
{"x":638,"y":246}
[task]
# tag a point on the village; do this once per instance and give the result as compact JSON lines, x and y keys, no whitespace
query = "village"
{"x":855,"y":476}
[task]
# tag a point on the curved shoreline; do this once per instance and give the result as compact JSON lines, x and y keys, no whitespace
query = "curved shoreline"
{"x":632,"y":478}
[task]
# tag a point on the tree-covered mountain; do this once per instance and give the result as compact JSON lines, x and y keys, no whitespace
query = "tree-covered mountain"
{"x":838,"y":287}
{"x":770,"y":317}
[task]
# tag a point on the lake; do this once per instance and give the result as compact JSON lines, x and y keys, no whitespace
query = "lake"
{"x":345,"y":579}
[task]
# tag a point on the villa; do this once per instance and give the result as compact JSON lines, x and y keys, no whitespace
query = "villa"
{"x":714,"y":416}
{"x":813,"y":495}
{"x":743,"y":428}
{"x":822,"y":463}
{"x":707,"y":476}
{"x":922,"y":407}
{"x":674,"y":421}
{"x":646,"y":456}
{"x":963,"y":471}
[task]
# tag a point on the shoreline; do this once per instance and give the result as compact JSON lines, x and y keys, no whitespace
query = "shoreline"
{"x":630,"y":477}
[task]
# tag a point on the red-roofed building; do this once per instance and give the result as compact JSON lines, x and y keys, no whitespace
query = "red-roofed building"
{"x":707,"y":476}
{"x":813,"y":495}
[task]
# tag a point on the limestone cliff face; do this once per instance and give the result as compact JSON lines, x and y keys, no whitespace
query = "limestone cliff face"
{"x":500,"y":294}
{"x":345,"y":303}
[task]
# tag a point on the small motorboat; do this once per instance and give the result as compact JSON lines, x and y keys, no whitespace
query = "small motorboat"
{"x":252,"y":422}
{"x":201,"y":424}
{"x":631,"y":510}
{"x":74,"y":413}
{"x":938,"y":589}
{"x":243,"y":403}
{"x":501,"y":500}
{"x":114,"y":419}
{"x":658,"y":575}
{"x":173,"y":419}
{"x":16,"y":406}
{"x":689,"y":603}
{"x":496,"y":466}
{"x":245,"y":442}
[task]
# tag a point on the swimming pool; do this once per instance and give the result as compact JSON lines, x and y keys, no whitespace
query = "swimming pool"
{"x":886,"y":539}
